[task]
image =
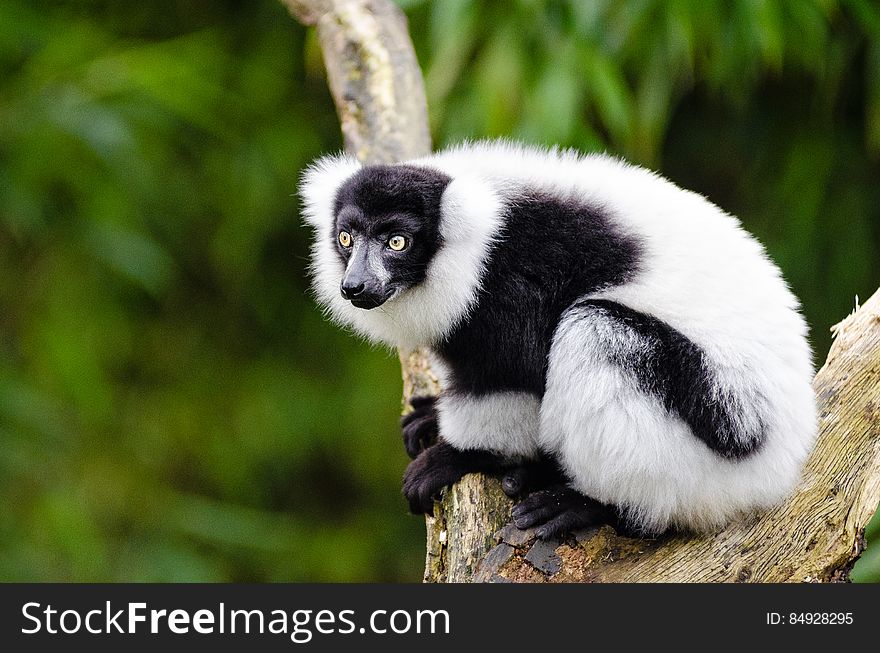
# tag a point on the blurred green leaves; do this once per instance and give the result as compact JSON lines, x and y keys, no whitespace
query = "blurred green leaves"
{"x":172,"y":404}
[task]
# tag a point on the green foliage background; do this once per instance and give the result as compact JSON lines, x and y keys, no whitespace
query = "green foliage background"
{"x":172,"y":404}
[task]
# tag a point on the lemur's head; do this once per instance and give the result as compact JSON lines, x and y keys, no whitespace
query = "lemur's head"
{"x":387,"y":230}
{"x":408,"y":241}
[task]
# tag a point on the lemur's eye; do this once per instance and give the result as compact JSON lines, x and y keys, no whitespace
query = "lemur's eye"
{"x":397,"y":243}
{"x":345,"y":239}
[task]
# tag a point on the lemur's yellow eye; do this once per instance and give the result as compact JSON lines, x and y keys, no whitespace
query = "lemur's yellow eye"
{"x":345,"y":239}
{"x":397,"y":243}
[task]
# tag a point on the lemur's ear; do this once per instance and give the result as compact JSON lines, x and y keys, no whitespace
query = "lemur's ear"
{"x":319,"y":185}
{"x":471,"y":210}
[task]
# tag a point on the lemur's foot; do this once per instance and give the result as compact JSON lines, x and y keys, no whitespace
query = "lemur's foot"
{"x":559,"y":510}
{"x":419,"y":426}
{"x":531,"y":476}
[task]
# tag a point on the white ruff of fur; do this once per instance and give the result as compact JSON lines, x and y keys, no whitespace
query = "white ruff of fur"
{"x":700,"y":273}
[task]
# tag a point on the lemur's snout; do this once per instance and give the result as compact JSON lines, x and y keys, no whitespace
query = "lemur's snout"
{"x":360,"y":285}
{"x":362,"y":293}
{"x":368,"y":300}
{"x":351,"y":289}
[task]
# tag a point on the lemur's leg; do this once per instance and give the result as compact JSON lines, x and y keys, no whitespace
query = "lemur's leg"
{"x":642,"y":419}
{"x":420,"y":426}
{"x":441,"y":465}
{"x":474,"y":431}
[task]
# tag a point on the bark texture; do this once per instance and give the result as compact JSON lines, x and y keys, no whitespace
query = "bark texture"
{"x":814,"y":536}
{"x":373,"y":74}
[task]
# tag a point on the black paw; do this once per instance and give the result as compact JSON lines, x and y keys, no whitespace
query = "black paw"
{"x":531,"y":476}
{"x":558,"y":510}
{"x":419,"y":426}
{"x":431,"y":471}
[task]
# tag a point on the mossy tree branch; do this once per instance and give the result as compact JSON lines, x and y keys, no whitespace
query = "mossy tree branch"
{"x":373,"y":74}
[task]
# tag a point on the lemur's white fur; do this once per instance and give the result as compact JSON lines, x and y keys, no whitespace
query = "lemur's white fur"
{"x":700,"y":273}
{"x":507,"y":422}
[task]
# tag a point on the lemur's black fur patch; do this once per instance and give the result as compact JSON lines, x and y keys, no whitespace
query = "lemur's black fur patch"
{"x":551,"y":252}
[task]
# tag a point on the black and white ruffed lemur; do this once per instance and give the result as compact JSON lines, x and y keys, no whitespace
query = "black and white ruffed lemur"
{"x":617,"y":345}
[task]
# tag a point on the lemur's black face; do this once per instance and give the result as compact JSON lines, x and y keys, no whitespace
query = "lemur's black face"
{"x":387,"y":230}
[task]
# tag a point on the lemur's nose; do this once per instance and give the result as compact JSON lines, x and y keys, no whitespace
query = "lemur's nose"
{"x":350,"y":290}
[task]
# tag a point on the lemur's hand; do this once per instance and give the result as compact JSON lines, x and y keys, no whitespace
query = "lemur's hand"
{"x":431,"y":471}
{"x":441,"y":465}
{"x":419,"y":426}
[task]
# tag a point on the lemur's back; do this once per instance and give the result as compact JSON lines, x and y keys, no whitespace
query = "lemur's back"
{"x":698,"y":270}
{"x":695,"y":254}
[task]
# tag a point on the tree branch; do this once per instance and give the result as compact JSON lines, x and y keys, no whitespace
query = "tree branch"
{"x":373,"y":74}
